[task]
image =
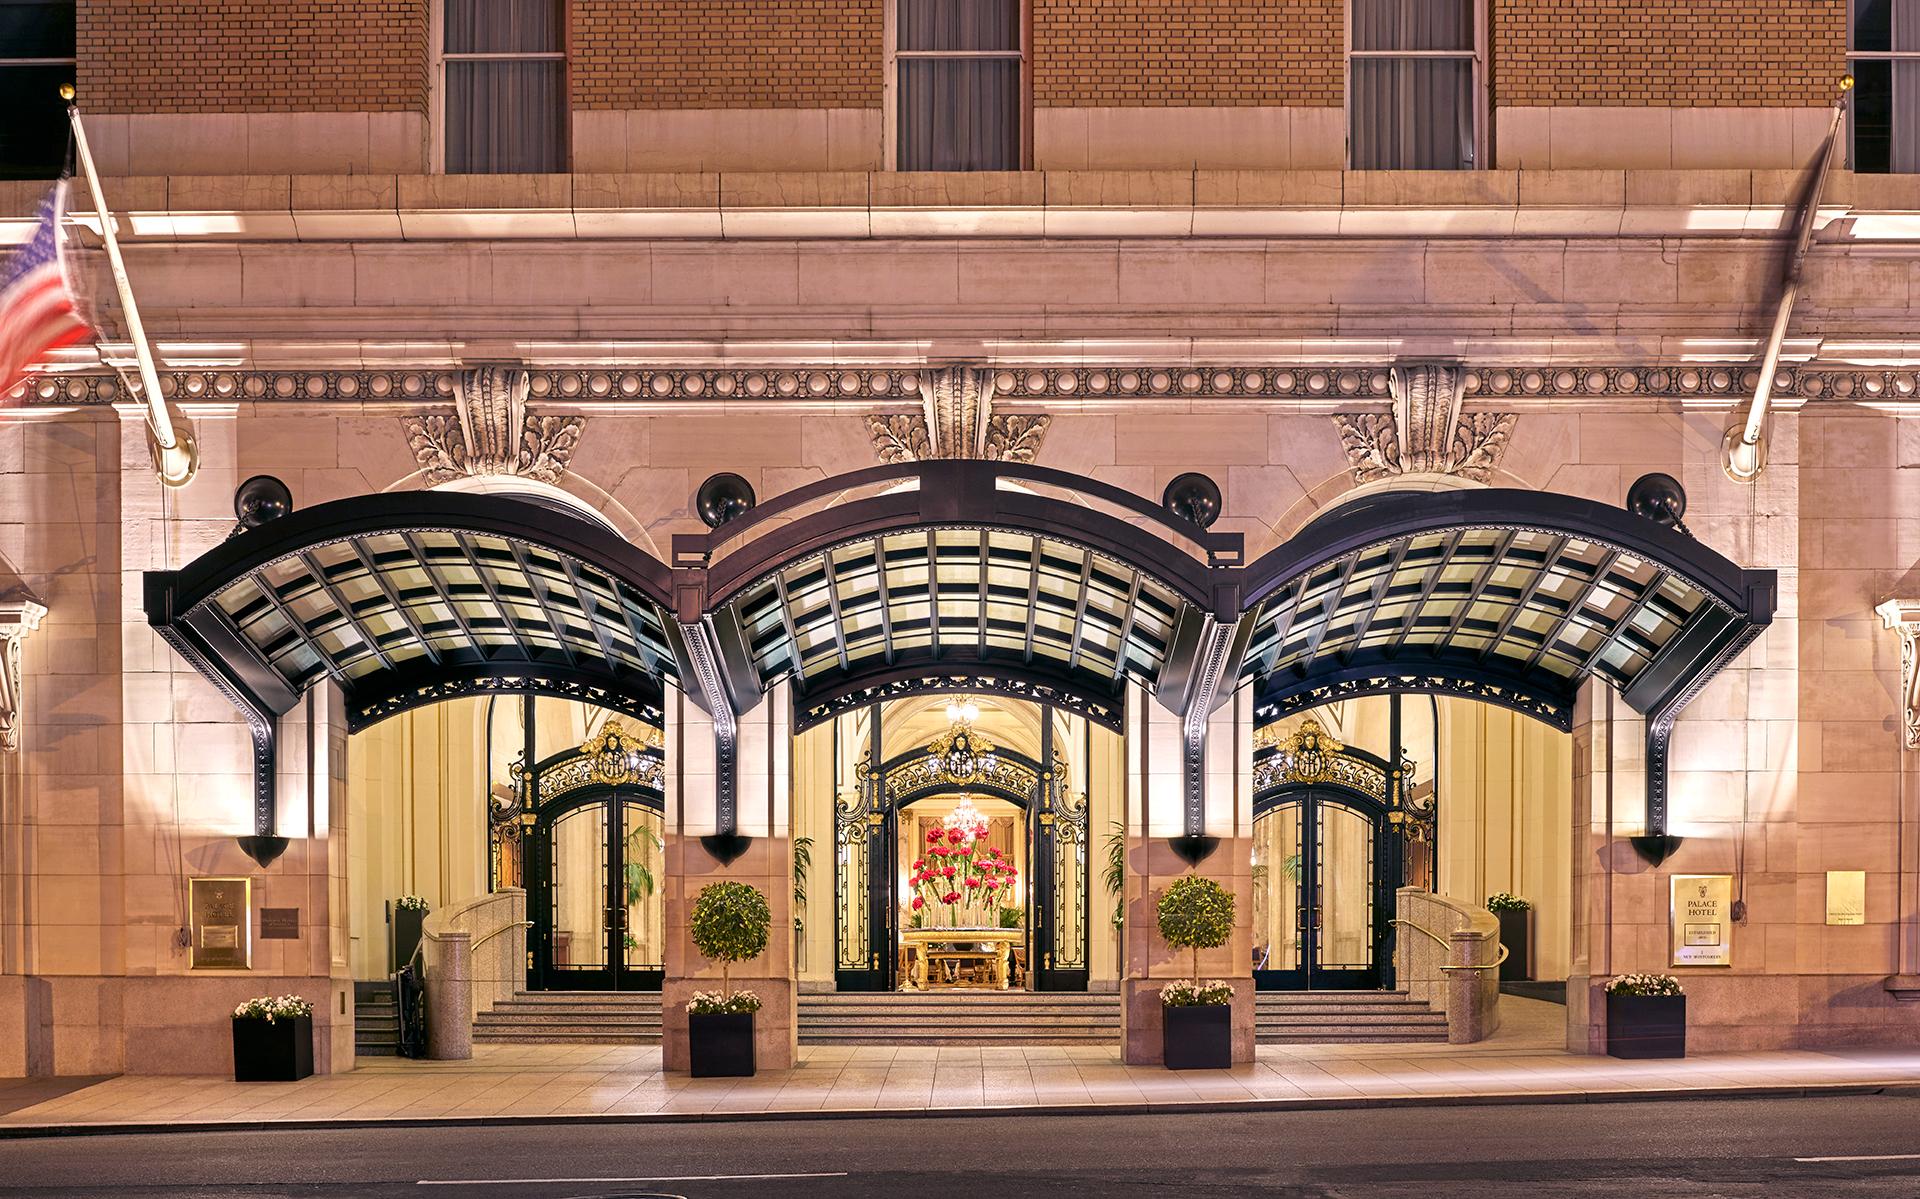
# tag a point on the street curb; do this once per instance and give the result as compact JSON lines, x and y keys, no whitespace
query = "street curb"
{"x":20,"y":1132}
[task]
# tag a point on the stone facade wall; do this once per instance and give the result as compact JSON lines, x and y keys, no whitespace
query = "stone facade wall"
{"x":727,"y":54}
{"x":228,"y":56}
{"x":1145,"y":53}
{"x":1679,"y":53}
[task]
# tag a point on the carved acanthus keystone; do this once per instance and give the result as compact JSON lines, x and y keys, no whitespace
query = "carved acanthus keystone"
{"x":18,"y":617}
{"x":1426,"y":433}
{"x":491,"y":432}
{"x":956,"y":420}
{"x":1903,"y":617}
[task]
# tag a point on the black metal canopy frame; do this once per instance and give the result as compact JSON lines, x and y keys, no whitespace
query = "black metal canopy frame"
{"x":950,"y":576}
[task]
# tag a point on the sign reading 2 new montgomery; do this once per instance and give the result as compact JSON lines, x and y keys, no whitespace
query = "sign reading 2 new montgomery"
{"x":1702,"y":911}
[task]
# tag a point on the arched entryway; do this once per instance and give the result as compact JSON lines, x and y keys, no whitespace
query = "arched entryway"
{"x":1327,"y":859}
{"x":952,"y":786}
{"x":593,"y":856}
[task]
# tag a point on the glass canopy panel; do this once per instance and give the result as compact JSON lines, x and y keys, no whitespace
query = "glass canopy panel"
{"x":1515,"y":608}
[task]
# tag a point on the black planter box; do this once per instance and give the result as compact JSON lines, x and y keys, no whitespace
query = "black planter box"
{"x":1643,"y":1026}
{"x":1197,"y":1037}
{"x":1516,"y":933}
{"x":406,"y":934}
{"x":272,"y":1050}
{"x":721,"y":1046}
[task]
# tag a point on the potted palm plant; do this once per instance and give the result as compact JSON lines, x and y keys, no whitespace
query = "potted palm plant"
{"x":1646,"y":1016}
{"x":1197,"y":1018}
{"x":273,"y":1039}
{"x":731,"y":923}
{"x":1516,"y":933}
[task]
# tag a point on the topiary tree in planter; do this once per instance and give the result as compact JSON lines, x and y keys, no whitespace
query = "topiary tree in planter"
{"x":1196,"y":1019}
{"x":1196,"y":913}
{"x":731,"y":923}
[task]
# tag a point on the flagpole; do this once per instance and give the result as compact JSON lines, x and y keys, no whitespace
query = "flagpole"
{"x":174,"y":453}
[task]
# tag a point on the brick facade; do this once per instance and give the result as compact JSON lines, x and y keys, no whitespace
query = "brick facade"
{"x":1150,"y":53}
{"x":1668,"y":53}
{"x":728,"y":53}
{"x":252,"y":55}
{"x":188,"y":56}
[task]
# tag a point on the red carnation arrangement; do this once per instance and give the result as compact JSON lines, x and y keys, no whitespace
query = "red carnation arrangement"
{"x":970,"y":879}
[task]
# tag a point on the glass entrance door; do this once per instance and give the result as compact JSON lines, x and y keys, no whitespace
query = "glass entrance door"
{"x":593,"y":895}
{"x":1324,"y":874}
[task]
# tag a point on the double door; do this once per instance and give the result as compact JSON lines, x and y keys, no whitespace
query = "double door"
{"x":1326,"y":864}
{"x":593,"y":895}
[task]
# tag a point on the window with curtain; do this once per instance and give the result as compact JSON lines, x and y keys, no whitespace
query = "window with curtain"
{"x":1413,"y":86}
{"x":36,"y":59}
{"x":1884,"y":41}
{"x":504,"y":86}
{"x":958,"y":88}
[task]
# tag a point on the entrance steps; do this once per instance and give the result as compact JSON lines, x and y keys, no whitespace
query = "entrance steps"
{"x":376,"y":1020}
{"x":1345,"y":1018}
{"x":959,"y":1018}
{"x":572,"y":1018}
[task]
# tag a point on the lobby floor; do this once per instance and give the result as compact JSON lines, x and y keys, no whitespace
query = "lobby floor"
{"x":584,"y":1080}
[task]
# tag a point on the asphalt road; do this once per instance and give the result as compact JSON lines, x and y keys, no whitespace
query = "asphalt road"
{"x":1853,"y":1146}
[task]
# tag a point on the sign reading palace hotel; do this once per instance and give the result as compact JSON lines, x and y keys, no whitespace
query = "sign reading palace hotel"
{"x":1702,"y":907}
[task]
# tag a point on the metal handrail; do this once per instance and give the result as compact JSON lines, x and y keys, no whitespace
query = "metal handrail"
{"x":512,"y":924}
{"x":1445,"y":944}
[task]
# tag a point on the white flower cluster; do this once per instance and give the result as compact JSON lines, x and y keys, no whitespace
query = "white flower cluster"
{"x":1645,"y":984}
{"x":411,"y":903}
{"x":273,"y":1007}
{"x":1501,"y":901}
{"x":1212,"y":993}
{"x":713,"y":1003}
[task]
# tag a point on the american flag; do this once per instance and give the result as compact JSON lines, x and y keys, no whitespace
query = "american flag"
{"x":37,"y":307}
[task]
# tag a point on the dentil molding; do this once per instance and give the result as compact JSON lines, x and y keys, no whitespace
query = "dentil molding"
{"x":1079,"y":381}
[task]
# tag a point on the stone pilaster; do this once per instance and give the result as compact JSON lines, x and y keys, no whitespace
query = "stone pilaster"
{"x":1154,"y":816}
{"x":765,"y":778}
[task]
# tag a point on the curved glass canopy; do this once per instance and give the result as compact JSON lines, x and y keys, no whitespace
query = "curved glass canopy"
{"x":964,"y":575}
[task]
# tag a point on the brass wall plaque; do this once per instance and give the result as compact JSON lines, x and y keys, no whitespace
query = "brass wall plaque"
{"x":1702,"y":913}
{"x":222,"y":928}
{"x":1846,"y":897}
{"x":279,"y":924}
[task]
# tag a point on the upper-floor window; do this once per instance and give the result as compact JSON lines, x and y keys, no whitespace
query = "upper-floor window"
{"x":957,"y":71}
{"x":503,"y":86}
{"x":1884,"y":38}
{"x":1414,"y":70}
{"x":36,"y":60}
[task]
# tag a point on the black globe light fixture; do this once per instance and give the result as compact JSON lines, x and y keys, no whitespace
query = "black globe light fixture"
{"x":260,"y":500}
{"x":1193,"y":497}
{"x":1659,"y":498}
{"x":723,"y":497}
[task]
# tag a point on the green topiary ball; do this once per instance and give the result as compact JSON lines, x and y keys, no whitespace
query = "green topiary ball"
{"x":1196,"y":913}
{"x":731,"y":922}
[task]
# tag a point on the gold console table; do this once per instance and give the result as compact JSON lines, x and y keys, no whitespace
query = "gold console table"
{"x":989,"y":948}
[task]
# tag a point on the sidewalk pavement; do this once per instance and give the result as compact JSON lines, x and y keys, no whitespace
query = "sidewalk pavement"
{"x":1521,"y":1064}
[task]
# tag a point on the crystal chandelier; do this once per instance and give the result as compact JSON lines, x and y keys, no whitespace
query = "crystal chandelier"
{"x":962,"y":755}
{"x":966,"y":818}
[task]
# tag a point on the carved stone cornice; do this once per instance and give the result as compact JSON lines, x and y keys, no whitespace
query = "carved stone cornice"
{"x":1079,"y":381}
{"x":1902,"y":616}
{"x":18,"y":617}
{"x":1426,"y":434}
{"x":956,"y":420}
{"x":491,"y":432}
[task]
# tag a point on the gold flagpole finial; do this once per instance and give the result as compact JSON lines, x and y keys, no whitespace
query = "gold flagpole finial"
{"x":66,"y":92}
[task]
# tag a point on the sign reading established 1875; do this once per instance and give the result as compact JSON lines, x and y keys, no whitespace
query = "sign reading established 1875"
{"x":1702,"y":919}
